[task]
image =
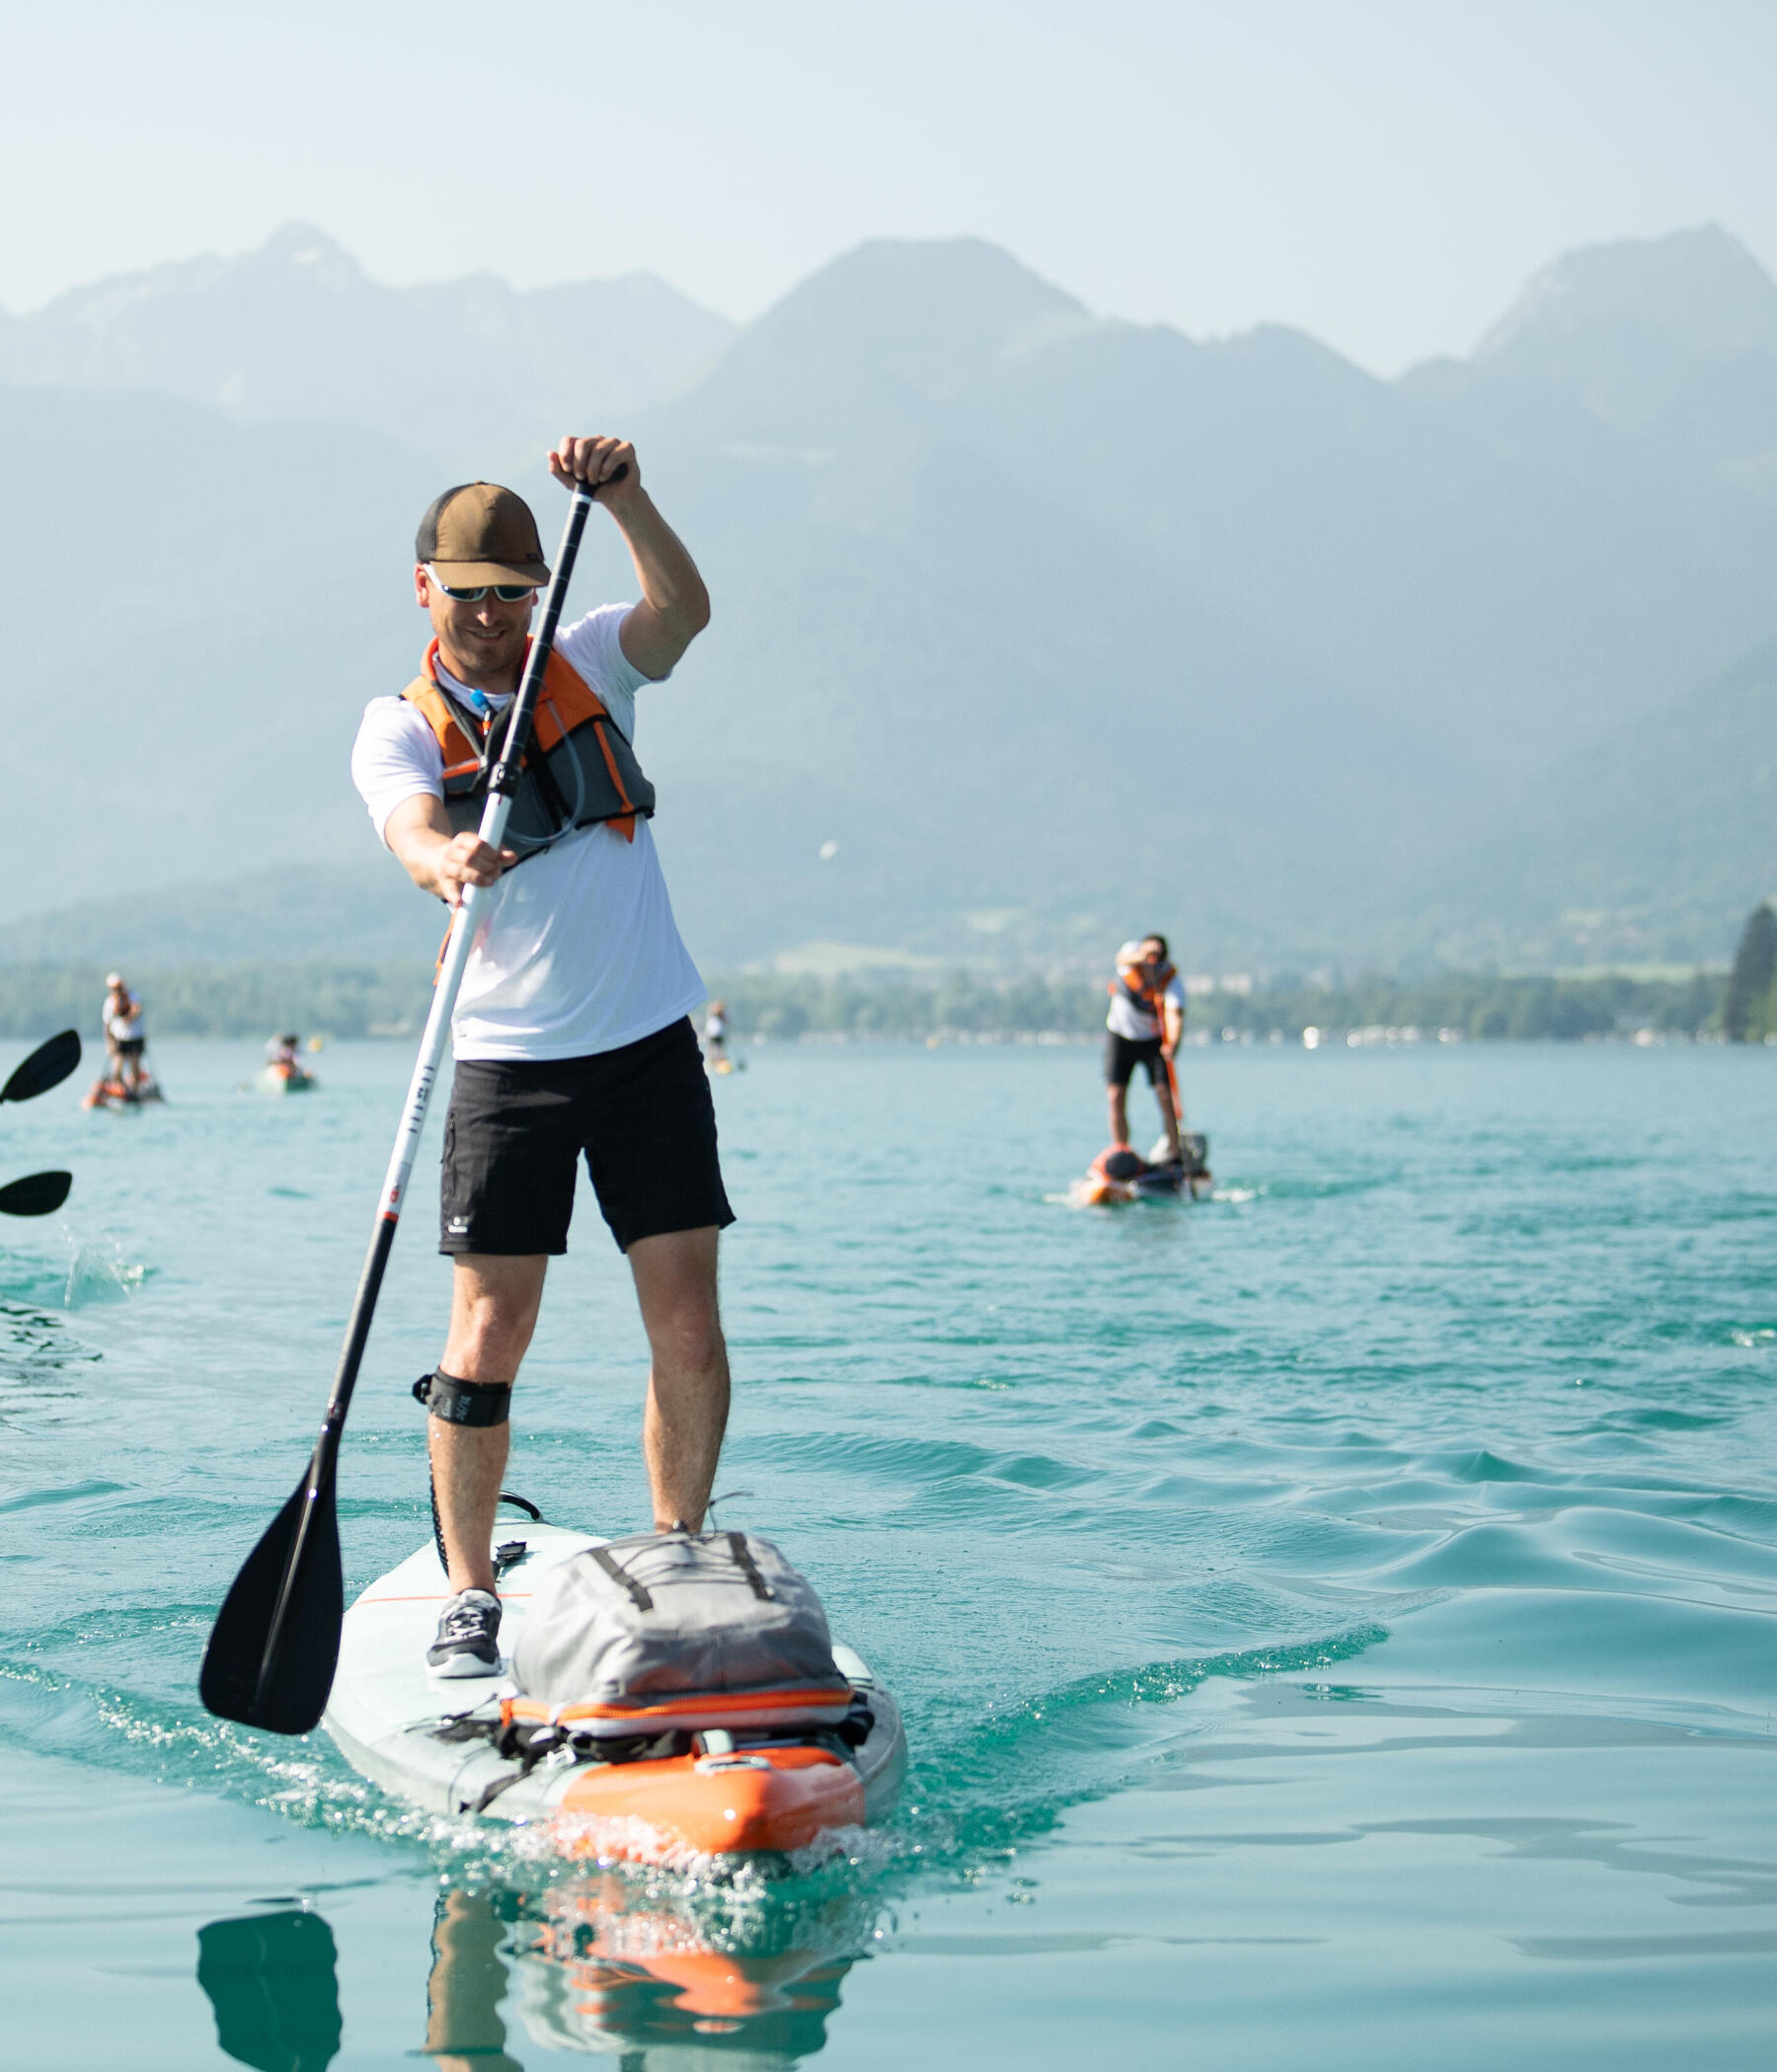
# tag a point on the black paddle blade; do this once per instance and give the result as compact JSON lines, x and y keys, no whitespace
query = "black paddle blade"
{"x":306,"y":1653}
{"x":46,"y":1066}
{"x":36,"y":1194}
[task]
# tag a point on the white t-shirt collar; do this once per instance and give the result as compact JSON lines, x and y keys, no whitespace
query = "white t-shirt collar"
{"x":479,"y":702}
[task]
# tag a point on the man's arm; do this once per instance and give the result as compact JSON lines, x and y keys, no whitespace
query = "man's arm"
{"x":675,"y":607}
{"x":437,"y":861}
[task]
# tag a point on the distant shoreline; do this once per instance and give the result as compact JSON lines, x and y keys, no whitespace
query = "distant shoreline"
{"x":389,"y":999}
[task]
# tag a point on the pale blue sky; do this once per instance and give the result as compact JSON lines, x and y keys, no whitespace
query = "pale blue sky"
{"x":1383,"y":173}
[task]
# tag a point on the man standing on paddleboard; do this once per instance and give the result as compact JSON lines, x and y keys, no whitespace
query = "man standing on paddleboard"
{"x":572,"y":1031}
{"x":1144,"y":1025}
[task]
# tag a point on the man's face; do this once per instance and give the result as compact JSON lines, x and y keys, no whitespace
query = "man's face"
{"x":481,"y":639}
{"x":1152,"y":955}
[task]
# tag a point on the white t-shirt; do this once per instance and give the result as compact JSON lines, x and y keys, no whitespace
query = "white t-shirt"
{"x":576,"y":949}
{"x":1125,"y":1019}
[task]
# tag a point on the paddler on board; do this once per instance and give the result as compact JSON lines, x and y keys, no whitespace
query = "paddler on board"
{"x":124,"y":1038}
{"x":716,"y":1052}
{"x":572,"y":1030}
{"x":1144,"y":1026}
{"x":121,"y":1018}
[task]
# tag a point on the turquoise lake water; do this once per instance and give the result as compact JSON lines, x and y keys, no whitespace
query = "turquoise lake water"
{"x":1335,"y":1621}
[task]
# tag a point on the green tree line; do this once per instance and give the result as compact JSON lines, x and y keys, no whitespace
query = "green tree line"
{"x":223,"y":1000}
{"x":1478,"y":1007}
{"x":1750,"y":1002}
{"x":391,"y":999}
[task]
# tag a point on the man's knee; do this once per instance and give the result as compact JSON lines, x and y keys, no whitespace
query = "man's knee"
{"x":675,"y":1283}
{"x":688,"y":1334}
{"x":494,"y":1312}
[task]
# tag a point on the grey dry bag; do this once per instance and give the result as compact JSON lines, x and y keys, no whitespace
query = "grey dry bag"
{"x":668,"y":1631}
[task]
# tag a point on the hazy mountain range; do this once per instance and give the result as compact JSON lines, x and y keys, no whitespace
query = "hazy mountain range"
{"x":1057,"y":627}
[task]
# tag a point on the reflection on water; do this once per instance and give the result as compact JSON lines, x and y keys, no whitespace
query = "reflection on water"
{"x":594,"y":1967}
{"x":463,"y":2024}
{"x":272,"y":1983}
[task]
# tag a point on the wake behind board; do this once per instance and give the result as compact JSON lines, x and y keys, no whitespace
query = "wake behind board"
{"x":119,"y":1098}
{"x":433,"y":1740}
{"x":1119,"y":1175}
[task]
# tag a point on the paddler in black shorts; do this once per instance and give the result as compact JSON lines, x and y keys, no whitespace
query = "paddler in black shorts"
{"x":572,"y":1034}
{"x":1143,"y":1027}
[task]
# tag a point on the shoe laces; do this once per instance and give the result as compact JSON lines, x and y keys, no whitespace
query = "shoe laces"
{"x":470,"y":1618}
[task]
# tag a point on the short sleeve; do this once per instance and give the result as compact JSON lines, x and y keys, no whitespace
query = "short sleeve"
{"x":396,"y":756}
{"x":593,"y":647}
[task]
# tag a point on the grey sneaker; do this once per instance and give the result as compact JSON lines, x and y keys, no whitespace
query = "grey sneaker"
{"x":468,"y":1643}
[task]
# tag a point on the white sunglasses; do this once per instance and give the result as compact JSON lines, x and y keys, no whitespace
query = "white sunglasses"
{"x":506,"y":592}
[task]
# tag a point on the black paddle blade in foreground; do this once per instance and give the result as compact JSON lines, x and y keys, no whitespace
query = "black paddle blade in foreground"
{"x":36,"y":1194}
{"x":46,"y":1066}
{"x":300,"y":1672}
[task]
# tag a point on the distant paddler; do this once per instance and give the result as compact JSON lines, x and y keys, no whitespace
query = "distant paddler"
{"x":1145,"y":1026}
{"x":715,"y":1038}
{"x":284,"y":1072}
{"x":126,"y":1081}
{"x":125,"y":1040}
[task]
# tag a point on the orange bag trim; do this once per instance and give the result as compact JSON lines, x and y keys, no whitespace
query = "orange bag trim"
{"x":794,"y":1703}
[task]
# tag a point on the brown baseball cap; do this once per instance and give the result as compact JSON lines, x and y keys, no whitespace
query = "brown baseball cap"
{"x":478,"y":532}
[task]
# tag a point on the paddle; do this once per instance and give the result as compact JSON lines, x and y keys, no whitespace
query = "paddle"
{"x":275,"y":1643}
{"x":1178,"y":1106}
{"x":46,"y":1066}
{"x":37,"y":1195}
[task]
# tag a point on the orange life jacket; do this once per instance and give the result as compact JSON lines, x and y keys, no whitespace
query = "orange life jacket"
{"x":1147,"y":996}
{"x":580,"y":769}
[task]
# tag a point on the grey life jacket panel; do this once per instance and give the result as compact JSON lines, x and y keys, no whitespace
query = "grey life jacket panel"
{"x":578,"y":771}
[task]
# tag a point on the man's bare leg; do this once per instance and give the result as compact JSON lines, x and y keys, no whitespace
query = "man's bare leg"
{"x":688,"y":1377}
{"x":493,"y":1305}
{"x":1119,"y":1114}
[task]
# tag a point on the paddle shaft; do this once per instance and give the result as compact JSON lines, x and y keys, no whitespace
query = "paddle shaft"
{"x":503,"y":785}
{"x":1172,"y":1087}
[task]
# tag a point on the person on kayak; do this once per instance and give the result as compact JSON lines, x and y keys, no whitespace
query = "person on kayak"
{"x":1145,"y":1024}
{"x":572,"y":1031}
{"x":281,"y":1052}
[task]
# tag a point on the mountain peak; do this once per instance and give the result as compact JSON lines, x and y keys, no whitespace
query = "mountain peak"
{"x":921,"y":309}
{"x":302,"y":250}
{"x":1700,"y":289}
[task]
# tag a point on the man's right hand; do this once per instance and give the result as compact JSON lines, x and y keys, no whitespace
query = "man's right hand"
{"x":436,"y":860}
{"x":467,"y":860}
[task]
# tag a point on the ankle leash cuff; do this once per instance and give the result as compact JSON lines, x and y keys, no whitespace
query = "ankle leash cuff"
{"x":455,"y":1402}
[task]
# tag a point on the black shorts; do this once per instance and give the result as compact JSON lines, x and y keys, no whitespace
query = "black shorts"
{"x":130,"y":1046}
{"x":643,"y":1116}
{"x":1124,"y":1054}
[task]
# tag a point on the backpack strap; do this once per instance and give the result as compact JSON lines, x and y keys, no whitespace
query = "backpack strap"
{"x":639,"y":1591}
{"x":743,"y":1560}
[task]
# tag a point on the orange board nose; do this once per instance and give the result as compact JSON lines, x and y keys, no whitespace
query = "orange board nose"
{"x":711,"y":1806}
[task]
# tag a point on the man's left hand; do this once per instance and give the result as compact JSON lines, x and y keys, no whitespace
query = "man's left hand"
{"x":597,"y":460}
